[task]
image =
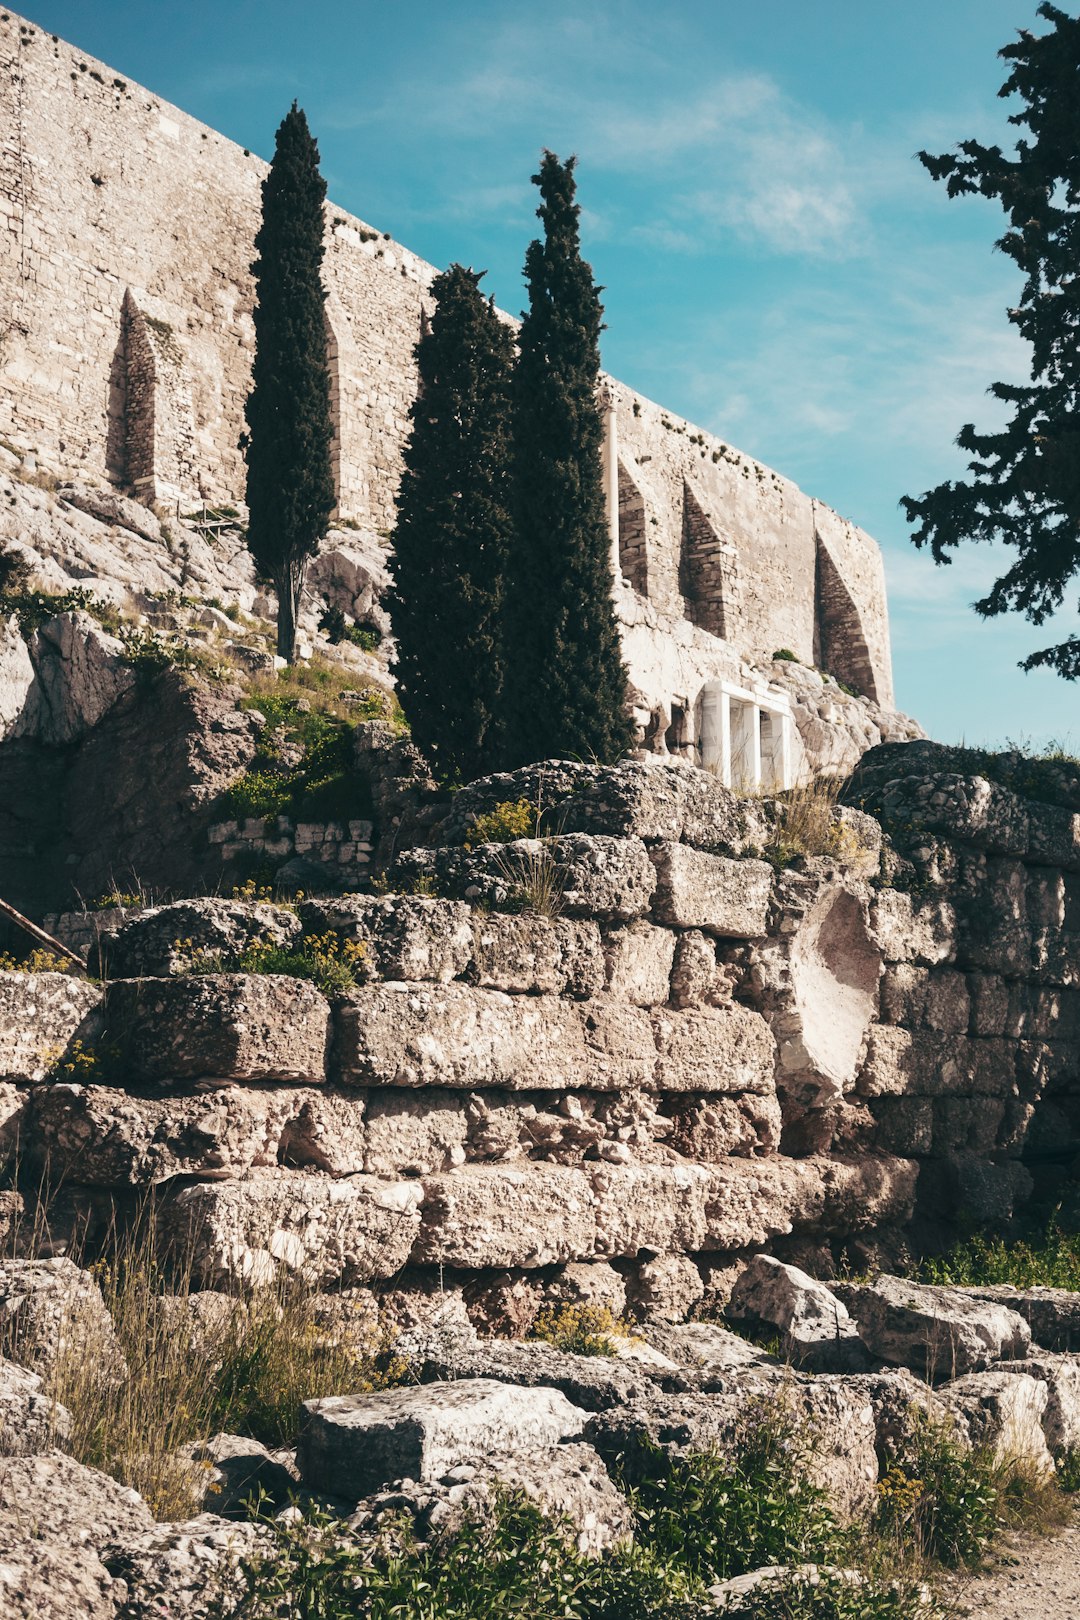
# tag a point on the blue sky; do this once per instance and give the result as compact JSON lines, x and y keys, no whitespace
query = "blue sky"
{"x":777,"y":265}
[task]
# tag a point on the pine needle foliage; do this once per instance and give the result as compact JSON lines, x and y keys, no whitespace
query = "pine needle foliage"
{"x":290,"y":481}
{"x":566,"y":689}
{"x":453,"y":531}
{"x":1024,"y":483}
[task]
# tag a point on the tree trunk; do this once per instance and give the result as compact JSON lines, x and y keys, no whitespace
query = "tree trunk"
{"x":289,"y":587}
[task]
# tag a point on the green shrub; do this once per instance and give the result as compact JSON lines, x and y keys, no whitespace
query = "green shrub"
{"x":939,"y":1497}
{"x":784,"y":655}
{"x":835,"y":1596}
{"x":583,"y":1330}
{"x":1050,"y":1258}
{"x":332,"y":964}
{"x":322,"y":786}
{"x":509,"y":820}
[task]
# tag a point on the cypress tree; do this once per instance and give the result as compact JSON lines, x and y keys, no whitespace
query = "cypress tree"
{"x":566,"y":685}
{"x":290,"y":482}
{"x":451,"y":539}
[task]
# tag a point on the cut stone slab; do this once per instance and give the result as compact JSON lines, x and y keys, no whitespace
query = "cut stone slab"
{"x":639,"y":961}
{"x":237,"y":1027}
{"x":103,"y":1137}
{"x":729,"y":898}
{"x":1005,"y":1411}
{"x":329,"y":1231}
{"x":606,"y":879}
{"x":714,"y":1049}
{"x":161,"y":940}
{"x":405,"y":936}
{"x":937,"y":1332}
{"x":1053,"y":1314}
{"x":657,"y":1207}
{"x":494,"y":1215}
{"x":351,"y":1445}
{"x":29,"y":1421}
{"x":1061,"y":1417}
{"x":524,"y":953}
{"x":814,"y":1326}
{"x":53,"y":1313}
{"x":41,"y":1016}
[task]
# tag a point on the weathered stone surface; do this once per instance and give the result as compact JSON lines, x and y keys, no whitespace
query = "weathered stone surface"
{"x":729,"y":898}
{"x":99,"y":1136}
{"x":639,"y":961}
{"x":529,"y":954}
{"x":454,"y":1035}
{"x":567,"y":1482}
{"x":593,"y":1383}
{"x":588,"y":1282}
{"x":753,"y":1201}
{"x":187,"y":1571}
{"x":29,"y":1421}
{"x":924,"y":1063}
{"x":41,"y":1016}
{"x":813,"y":1324}
{"x":1061,"y":1416}
{"x":351,"y":1445}
{"x":938,"y":1332}
{"x":13,"y":1107}
{"x":231,"y":1470}
{"x":657,"y":1207}
{"x":697,"y":979}
{"x":912,"y":930}
{"x":1052,"y":1314}
{"x":720,"y":1049}
{"x":223,"y":1026}
{"x":495,"y":1215}
{"x":161,"y":940}
{"x":406,"y":936}
{"x":79,"y":673}
{"x":706,"y":1351}
{"x":664,"y":1289}
{"x":329,"y":1231}
{"x":1005,"y":1411}
{"x":51,"y":1314}
{"x":939,"y":999}
{"x":55,"y":1518}
{"x":610,"y":879}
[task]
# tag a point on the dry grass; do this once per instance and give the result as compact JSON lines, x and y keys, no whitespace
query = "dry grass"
{"x":808,"y":824}
{"x":534,"y":880}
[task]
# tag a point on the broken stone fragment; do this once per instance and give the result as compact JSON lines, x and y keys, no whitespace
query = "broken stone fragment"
{"x":1053,"y":1314}
{"x":813,"y":1325}
{"x":937,"y":1332}
{"x":30,"y":1422}
{"x":42,"y":1015}
{"x":1005,"y":1412}
{"x":351,"y":1445}
{"x":729,"y":898}
{"x":222,"y":1026}
{"x":52,"y":1316}
{"x":1061,"y":1415}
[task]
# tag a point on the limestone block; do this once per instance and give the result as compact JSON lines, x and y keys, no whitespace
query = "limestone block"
{"x":696,"y":978}
{"x":41,"y":1015}
{"x":329,"y":1231}
{"x":813,"y":1323}
{"x":529,"y":954}
{"x":658,"y":1207}
{"x":924,"y":1063}
{"x":862,"y":1192}
{"x":494,"y":1215}
{"x":707,"y":1351}
{"x":455,"y":1035}
{"x":1061,"y":1416}
{"x":609,"y":879}
{"x":1004,"y":1411}
{"x":416,"y":1132}
{"x":967,"y":1124}
{"x":993,"y":931}
{"x":187,"y":1569}
{"x":588,"y":1282}
{"x":938,"y":1332}
{"x":160,"y":941}
{"x":664,"y":1289}
{"x":751,"y":1201}
{"x":639,"y":961}
{"x":100,"y":1136}
{"x":729,"y":898}
{"x":911,"y":930}
{"x":904,"y":1125}
{"x":406,"y":936}
{"x":13,"y":1113}
{"x":29,"y":1421}
{"x":1053,"y":836}
{"x":1053,"y":1314}
{"x":990,"y":999}
{"x":715,"y":1128}
{"x":727,"y":1049}
{"x":915,"y":996}
{"x":351,"y":1445}
{"x":52,"y":1314}
{"x":222,"y":1026}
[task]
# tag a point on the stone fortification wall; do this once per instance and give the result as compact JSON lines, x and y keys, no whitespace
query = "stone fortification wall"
{"x":683,"y":1056}
{"x":126,"y":231}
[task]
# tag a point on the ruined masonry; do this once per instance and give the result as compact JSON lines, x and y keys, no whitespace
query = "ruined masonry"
{"x":126,"y":233}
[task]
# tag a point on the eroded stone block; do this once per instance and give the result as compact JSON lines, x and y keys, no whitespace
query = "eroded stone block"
{"x":41,"y":1016}
{"x":725,"y":897}
{"x":405,"y":936}
{"x":162,"y":940}
{"x":495,"y":1215}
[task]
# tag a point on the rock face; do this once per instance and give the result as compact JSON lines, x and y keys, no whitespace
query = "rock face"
{"x":41,"y":1016}
{"x":52,"y":1313}
{"x":29,"y":1421}
{"x":813,"y":1324}
{"x":352,"y":1445}
{"x":938,"y":1332}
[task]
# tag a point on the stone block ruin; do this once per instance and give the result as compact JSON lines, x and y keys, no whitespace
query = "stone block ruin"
{"x":126,"y":241}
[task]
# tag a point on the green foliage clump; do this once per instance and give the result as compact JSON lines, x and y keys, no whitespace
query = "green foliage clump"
{"x":337,"y":629}
{"x":304,"y":767}
{"x":566,"y":693}
{"x":39,"y":960}
{"x":784,"y":655}
{"x":583,"y":1330}
{"x":453,"y":535}
{"x":1049,"y":1259}
{"x":332,"y":964}
{"x":940,"y":1497}
{"x":510,"y":819}
{"x":290,"y":480}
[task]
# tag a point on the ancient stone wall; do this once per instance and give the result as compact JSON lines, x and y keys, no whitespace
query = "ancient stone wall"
{"x":126,"y":235}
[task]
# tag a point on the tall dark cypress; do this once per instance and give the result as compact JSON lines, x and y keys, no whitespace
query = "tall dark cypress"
{"x":452,"y":532}
{"x":290,"y":481}
{"x":566,"y":690}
